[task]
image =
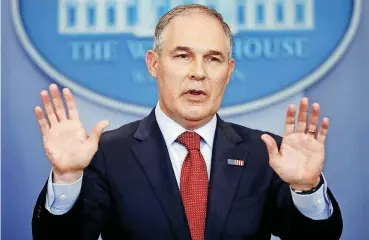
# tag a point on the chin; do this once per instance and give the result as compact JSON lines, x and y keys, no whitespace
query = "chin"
{"x":194,"y":113}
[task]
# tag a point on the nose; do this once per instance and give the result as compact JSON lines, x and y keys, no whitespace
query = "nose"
{"x":198,"y":72}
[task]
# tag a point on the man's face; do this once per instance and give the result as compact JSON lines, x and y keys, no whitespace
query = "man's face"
{"x":193,"y":70}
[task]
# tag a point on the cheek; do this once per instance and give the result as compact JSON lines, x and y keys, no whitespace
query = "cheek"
{"x":170,"y":80}
{"x":218,"y":81}
{"x":218,"y":89}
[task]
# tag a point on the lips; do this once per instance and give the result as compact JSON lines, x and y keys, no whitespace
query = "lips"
{"x":195,"y":96}
{"x":195,"y":92}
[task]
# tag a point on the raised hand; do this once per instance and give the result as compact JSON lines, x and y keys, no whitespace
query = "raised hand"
{"x":299,"y":161}
{"x":66,"y":143}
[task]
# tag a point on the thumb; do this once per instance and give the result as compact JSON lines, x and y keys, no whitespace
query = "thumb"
{"x":270,"y":144}
{"x":97,"y":131}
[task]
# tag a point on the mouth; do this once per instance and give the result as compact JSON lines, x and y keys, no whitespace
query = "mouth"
{"x":194,"y":92}
{"x":195,"y":96}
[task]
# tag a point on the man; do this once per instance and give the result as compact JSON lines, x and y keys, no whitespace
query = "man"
{"x":182,"y":172}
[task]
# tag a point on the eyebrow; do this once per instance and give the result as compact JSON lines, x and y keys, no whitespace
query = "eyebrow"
{"x":215,"y":53}
{"x":188,"y":49}
{"x":181,"y":48}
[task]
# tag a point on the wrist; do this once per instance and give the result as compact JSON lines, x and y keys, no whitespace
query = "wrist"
{"x":308,"y":188}
{"x":66,"y":177}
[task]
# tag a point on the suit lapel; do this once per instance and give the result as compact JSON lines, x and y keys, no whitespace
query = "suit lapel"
{"x":224,"y":178}
{"x":153,"y":156}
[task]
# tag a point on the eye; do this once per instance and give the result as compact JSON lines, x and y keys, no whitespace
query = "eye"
{"x":182,"y":56}
{"x":213,"y":59}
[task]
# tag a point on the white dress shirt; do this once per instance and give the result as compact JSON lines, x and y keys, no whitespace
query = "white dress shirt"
{"x":177,"y":152}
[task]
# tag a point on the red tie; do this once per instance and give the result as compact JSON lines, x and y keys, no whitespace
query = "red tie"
{"x":194,"y":184}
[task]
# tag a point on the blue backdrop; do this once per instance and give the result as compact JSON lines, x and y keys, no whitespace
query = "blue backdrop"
{"x":343,"y":93}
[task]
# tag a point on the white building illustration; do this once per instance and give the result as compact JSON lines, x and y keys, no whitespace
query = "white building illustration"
{"x":139,"y":17}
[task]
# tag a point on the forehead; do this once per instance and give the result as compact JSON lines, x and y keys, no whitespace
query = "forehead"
{"x":196,"y":30}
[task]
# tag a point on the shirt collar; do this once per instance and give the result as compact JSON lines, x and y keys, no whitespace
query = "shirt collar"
{"x":171,"y":129}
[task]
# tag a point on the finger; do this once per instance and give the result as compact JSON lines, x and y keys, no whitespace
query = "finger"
{"x":58,"y":102}
{"x":323,"y":132}
{"x":313,"y":120}
{"x":97,"y":131}
{"x":42,"y":122}
{"x":71,"y":104}
{"x":290,"y":120}
{"x":271,"y":145}
{"x":302,"y":117}
{"x":48,"y":107}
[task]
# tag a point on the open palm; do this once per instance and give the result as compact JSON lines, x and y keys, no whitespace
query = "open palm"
{"x":299,"y":161}
{"x":65,"y":141}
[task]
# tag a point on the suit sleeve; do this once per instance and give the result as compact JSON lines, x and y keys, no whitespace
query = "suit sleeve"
{"x":85,"y":220}
{"x":289,"y":223}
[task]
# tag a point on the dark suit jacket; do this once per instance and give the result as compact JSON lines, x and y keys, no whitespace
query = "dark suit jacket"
{"x":129,"y":191}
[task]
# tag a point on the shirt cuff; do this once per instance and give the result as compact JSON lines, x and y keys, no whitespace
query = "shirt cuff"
{"x":316,"y":206}
{"x":60,"y":198}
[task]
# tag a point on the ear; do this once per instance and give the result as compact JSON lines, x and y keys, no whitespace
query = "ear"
{"x":151,"y":59}
{"x":231,"y":65}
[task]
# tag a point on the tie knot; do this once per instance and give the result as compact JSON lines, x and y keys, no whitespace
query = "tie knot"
{"x":190,"y":140}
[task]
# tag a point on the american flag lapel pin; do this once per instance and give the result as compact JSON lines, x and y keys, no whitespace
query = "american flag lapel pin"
{"x":236,"y":162}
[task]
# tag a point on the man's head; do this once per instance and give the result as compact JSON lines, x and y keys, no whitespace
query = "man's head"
{"x":191,"y":60}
